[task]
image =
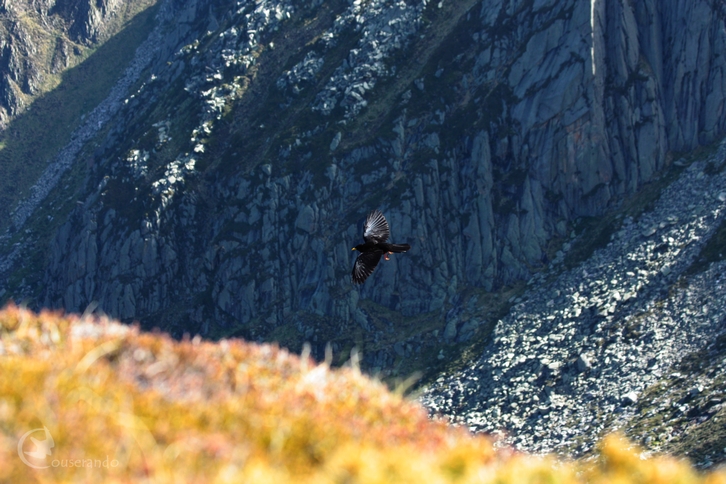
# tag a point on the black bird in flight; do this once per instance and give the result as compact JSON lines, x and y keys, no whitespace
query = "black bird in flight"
{"x":375,"y":234}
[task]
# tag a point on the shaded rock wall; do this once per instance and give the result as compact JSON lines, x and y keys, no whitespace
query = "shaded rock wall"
{"x":539,"y":113}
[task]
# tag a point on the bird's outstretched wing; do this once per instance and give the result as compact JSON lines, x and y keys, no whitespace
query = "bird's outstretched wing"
{"x":364,"y":265}
{"x":376,"y":228}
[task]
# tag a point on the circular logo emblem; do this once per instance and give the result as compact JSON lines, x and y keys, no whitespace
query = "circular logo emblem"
{"x":38,"y":449}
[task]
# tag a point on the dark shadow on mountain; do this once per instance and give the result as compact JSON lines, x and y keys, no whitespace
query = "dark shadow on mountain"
{"x":37,"y":135}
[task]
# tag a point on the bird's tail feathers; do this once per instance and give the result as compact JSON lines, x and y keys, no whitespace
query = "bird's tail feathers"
{"x":399,"y":247}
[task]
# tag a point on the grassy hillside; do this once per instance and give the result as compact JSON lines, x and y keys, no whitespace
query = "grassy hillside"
{"x":126,"y":406}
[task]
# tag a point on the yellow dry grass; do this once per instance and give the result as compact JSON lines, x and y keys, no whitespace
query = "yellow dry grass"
{"x":127,"y":406}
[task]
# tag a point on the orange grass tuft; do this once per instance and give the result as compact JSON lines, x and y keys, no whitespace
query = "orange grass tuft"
{"x":157,"y":410}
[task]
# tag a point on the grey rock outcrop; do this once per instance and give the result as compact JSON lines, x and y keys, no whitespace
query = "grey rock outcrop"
{"x":86,"y":19}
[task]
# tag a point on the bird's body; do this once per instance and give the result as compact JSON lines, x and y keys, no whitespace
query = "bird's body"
{"x":375,"y":235}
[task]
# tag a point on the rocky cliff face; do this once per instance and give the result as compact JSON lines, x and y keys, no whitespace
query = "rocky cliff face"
{"x":632,"y":338}
{"x":40,"y":39}
{"x":225,"y":193}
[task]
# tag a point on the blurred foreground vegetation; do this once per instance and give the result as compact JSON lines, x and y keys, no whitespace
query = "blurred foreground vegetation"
{"x":126,"y":406}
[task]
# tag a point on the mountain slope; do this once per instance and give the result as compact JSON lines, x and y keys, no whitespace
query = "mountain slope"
{"x":218,"y":189}
{"x":609,"y":343}
{"x":58,"y":60}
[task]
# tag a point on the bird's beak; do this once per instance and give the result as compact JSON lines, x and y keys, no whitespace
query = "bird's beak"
{"x":353,"y":248}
